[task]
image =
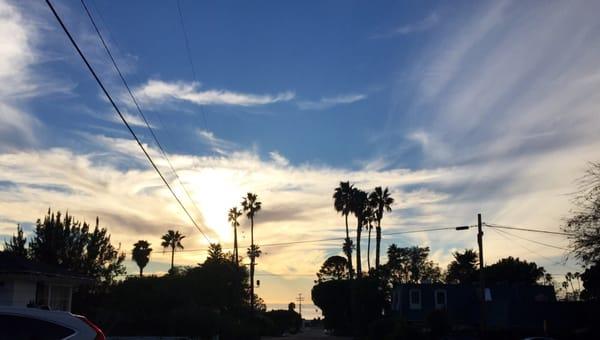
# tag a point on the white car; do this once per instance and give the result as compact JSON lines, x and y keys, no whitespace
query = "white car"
{"x":38,"y":324}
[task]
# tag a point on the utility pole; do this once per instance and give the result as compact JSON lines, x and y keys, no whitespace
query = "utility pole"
{"x":481,"y":275}
{"x":300,"y":299}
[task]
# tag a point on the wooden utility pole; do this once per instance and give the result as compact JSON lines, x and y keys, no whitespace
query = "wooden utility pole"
{"x":300,"y":299}
{"x":481,"y":275}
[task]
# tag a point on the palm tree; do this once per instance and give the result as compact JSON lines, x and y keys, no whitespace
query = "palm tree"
{"x":234,"y":213}
{"x":342,"y":201}
{"x":380,"y":200}
{"x":369,"y":219}
{"x":359,"y":204}
{"x":141,"y":254}
{"x":251,"y":206}
{"x":172,"y":239}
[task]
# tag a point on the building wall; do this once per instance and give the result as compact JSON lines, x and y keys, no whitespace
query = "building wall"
{"x":6,"y":292}
{"x":23,"y":292}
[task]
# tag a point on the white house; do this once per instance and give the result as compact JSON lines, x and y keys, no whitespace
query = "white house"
{"x":26,"y":283}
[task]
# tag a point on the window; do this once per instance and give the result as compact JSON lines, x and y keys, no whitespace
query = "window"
{"x":415,"y":299}
{"x":22,"y":327}
{"x":440,"y":299}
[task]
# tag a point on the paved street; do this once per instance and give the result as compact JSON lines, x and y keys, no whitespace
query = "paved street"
{"x":310,"y":334}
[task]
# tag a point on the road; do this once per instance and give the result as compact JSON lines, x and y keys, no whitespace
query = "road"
{"x":309,"y":334}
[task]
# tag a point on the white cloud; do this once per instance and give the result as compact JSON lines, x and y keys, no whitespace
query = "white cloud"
{"x":156,"y":92}
{"x":425,"y":24}
{"x":217,"y":144}
{"x":17,"y":54}
{"x":327,"y":102}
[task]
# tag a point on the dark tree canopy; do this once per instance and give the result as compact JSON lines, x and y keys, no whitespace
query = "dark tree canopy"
{"x":463,"y":269}
{"x":334,"y":268}
{"x":584,"y":223}
{"x":411,"y":265}
{"x":16,"y":244}
{"x":141,"y":254}
{"x":66,"y":242}
{"x":216,"y":254}
{"x":514,"y":270}
{"x":591,"y":283}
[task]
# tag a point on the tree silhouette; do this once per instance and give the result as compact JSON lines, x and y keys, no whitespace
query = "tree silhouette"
{"x":359,"y":204}
{"x":16,"y":245}
{"x":584,"y":225}
{"x":381,"y":201}
{"x":68,"y":243}
{"x":463,"y":269}
{"x":215,"y":254}
{"x":251,"y":206}
{"x":514,"y":270}
{"x":172,"y":239}
{"x":411,"y":265}
{"x":234,"y":213}
{"x":334,"y":268}
{"x":342,"y":197}
{"x":141,"y":254}
{"x":369,"y":219}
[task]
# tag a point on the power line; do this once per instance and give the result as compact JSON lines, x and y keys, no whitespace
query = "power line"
{"x":278,"y":244}
{"x":505,"y":236}
{"x":163,"y":152}
{"x":528,"y":229}
{"x":114,"y":105}
{"x":189,"y":55}
{"x":534,"y":241}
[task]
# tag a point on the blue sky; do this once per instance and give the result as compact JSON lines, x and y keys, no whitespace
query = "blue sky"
{"x":458,"y":107}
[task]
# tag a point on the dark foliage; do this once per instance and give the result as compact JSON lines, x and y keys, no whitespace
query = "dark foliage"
{"x":591,"y":283}
{"x":75,"y":246}
{"x":411,"y":265}
{"x":201,"y":301}
{"x":16,"y":244}
{"x":584,"y":224}
{"x":334,"y":268}
{"x":463,"y":269}
{"x":283,"y":321}
{"x":349,"y":306}
{"x":514,"y":270}
{"x":141,"y":254}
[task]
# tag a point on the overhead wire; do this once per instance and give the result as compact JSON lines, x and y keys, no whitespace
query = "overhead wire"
{"x":189,"y":55}
{"x":114,"y":105}
{"x":139,"y":109}
{"x":527,"y":229}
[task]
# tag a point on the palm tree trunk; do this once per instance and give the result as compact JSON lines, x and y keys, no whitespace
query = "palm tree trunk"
{"x":252,"y":263}
{"x":358,"y":260}
{"x":349,"y":252}
{"x":141,"y":270}
{"x":235,"y":245}
{"x":369,"y":250}
{"x":172,"y":256}
{"x":377,"y":243}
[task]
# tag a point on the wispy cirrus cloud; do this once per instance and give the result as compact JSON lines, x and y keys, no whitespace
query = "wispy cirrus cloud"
{"x":219,"y":145}
{"x":327,"y":102}
{"x":156,"y":92}
{"x":424,"y":24}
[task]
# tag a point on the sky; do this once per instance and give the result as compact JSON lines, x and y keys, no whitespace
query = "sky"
{"x":458,"y":108}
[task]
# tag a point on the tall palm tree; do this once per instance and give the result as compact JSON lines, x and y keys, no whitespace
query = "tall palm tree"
{"x":141,"y":254}
{"x":172,"y":239}
{"x":369,"y":219}
{"x":251,"y":206}
{"x":380,"y":200}
{"x":234,"y":213}
{"x":359,"y":204}
{"x":341,"y":202}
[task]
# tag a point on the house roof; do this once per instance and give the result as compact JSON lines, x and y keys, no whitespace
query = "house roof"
{"x":11,"y":264}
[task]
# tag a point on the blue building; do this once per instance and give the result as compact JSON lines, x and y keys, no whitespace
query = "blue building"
{"x":507,"y":306}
